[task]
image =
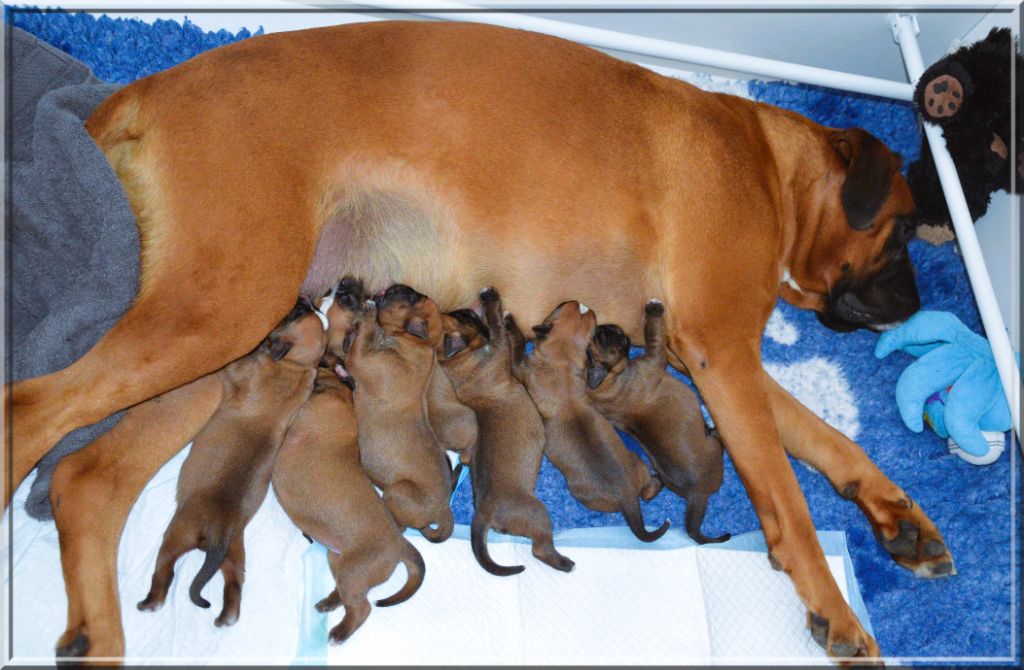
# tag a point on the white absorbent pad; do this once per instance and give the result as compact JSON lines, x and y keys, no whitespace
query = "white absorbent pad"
{"x":625,"y":602}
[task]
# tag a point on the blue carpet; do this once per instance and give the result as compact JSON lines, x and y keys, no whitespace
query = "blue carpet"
{"x":965,"y":616}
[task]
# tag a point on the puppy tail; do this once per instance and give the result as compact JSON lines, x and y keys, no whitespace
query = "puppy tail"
{"x":416,"y":568}
{"x":214,"y":557}
{"x":635,"y":521}
{"x":478,"y":540}
{"x":696,"y":506}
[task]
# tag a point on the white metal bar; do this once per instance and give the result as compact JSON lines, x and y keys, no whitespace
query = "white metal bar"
{"x":905,"y":32}
{"x":658,"y":48}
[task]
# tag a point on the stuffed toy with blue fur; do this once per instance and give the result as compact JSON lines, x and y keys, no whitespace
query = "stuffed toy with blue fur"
{"x":953,"y":384}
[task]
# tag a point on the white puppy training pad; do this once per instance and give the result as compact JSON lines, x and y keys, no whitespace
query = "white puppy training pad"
{"x":672,"y":602}
{"x":625,"y":602}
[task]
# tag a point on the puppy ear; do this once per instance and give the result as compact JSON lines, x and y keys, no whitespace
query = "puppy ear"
{"x":869,"y":174}
{"x":596,"y":374}
{"x":279,"y":349}
{"x":542,"y":330}
{"x":418,"y":327}
{"x":453,"y":344}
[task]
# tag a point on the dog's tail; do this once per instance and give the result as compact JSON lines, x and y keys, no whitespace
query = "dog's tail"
{"x":478,"y":540}
{"x":445,"y":526}
{"x":214,"y":557}
{"x":696,"y":506}
{"x":635,"y":521}
{"x":416,"y":568}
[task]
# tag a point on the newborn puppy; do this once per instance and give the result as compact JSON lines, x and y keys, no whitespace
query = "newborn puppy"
{"x":327,"y":495}
{"x":510,"y":441}
{"x":601,"y":472}
{"x":453,"y":423}
{"x":639,"y":397}
{"x":392,"y":360}
{"x":225,"y":477}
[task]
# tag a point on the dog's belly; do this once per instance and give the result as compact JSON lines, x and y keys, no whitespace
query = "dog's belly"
{"x":450,"y":252}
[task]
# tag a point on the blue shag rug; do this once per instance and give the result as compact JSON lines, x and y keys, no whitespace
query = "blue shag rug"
{"x":838,"y":376}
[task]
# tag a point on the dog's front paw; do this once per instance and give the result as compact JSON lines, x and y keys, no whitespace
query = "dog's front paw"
{"x":654,"y":307}
{"x":842,"y":636}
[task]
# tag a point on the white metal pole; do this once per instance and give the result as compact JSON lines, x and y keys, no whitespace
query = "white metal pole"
{"x":905,"y":31}
{"x":658,"y":48}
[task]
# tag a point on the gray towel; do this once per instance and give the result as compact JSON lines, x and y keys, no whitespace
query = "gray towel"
{"x":74,"y":246}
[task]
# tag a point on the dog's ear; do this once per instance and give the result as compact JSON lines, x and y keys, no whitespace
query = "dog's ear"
{"x":869,"y":173}
{"x":279,"y":348}
{"x":453,"y":344}
{"x":542,"y":330}
{"x":418,"y":327}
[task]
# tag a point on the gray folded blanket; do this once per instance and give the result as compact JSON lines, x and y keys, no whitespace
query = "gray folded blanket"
{"x":74,"y":247}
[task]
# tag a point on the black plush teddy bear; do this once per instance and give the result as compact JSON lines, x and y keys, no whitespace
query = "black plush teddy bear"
{"x":967,"y":93}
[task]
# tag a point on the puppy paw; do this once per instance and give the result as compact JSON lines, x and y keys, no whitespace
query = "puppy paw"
{"x":654,"y":307}
{"x":489,"y":294}
{"x":150,"y":604}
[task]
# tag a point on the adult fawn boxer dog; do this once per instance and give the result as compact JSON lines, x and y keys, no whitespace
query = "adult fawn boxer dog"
{"x":451,"y":156}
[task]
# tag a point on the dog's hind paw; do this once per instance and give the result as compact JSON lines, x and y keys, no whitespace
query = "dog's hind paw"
{"x":75,"y":647}
{"x":850,"y":642}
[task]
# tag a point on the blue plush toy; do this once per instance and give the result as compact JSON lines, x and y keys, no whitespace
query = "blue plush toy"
{"x":953,"y":385}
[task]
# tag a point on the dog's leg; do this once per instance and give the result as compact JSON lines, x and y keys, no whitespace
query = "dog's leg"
{"x":233,"y":570}
{"x":93,"y":491}
{"x":731,"y":378}
{"x":186,"y":320}
{"x":902,"y":527}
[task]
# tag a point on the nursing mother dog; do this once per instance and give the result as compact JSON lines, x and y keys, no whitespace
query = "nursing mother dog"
{"x":450,"y":156}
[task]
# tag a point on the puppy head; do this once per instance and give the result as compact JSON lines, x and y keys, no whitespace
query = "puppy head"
{"x":851,"y":264}
{"x":300,"y":337}
{"x":342,"y":316}
{"x":566,"y":332}
{"x":403,"y":312}
{"x":607,"y":354}
{"x":464,"y":331}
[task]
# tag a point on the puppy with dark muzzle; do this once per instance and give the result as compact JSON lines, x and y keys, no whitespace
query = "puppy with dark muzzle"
{"x":601,"y":472}
{"x":639,"y":397}
{"x":226,"y":475}
{"x":392,"y":359}
{"x":326,"y":494}
{"x":507,"y":456}
{"x":453,"y":423}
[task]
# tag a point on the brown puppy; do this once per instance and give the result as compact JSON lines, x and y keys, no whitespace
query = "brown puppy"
{"x":319,"y":482}
{"x":640,"y":398}
{"x":601,"y":472}
{"x":452,"y":422}
{"x":392,"y":360}
{"x":507,"y":456}
{"x":225,"y":477}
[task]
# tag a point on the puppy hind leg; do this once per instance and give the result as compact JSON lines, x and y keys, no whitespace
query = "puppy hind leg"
{"x":530,"y":519}
{"x":178,"y":539}
{"x":356,"y":612}
{"x":233,"y":569}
